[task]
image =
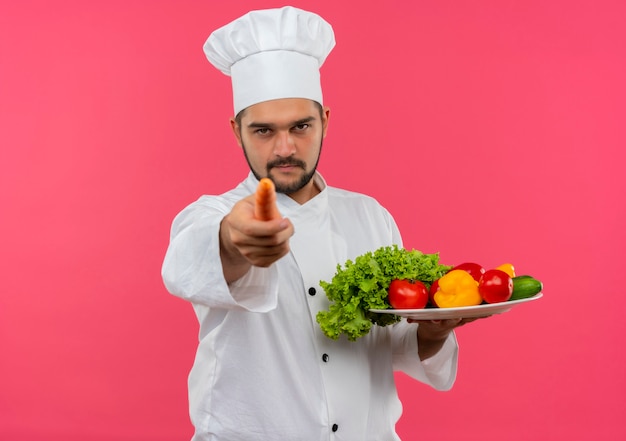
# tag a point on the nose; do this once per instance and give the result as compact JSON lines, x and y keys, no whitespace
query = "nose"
{"x":284,"y":145}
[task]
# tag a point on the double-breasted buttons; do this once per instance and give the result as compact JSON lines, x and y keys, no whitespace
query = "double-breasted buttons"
{"x":312,"y":291}
{"x":325,"y":358}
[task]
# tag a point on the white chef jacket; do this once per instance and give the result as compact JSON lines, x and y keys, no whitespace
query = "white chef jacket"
{"x":263,"y":369}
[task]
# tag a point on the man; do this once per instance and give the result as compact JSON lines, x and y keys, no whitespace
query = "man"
{"x":263,"y":369}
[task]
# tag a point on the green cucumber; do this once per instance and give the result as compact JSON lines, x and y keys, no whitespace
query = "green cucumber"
{"x":525,"y":287}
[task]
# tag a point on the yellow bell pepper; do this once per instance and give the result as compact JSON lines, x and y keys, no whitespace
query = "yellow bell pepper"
{"x":457,"y":288}
{"x":507,"y":268}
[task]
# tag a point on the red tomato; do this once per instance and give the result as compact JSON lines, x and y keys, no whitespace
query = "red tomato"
{"x":495,"y":286}
{"x":404,"y":294}
{"x":474,"y":269}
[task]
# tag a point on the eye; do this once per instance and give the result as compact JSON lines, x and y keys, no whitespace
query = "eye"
{"x":301,"y":127}
{"x":262,"y":131}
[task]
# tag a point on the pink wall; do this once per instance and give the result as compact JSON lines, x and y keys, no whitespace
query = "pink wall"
{"x":494,"y":132}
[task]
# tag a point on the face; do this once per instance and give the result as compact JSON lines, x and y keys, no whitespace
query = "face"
{"x":282,"y":140}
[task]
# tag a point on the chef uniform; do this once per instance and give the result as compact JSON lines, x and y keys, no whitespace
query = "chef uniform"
{"x":263,"y":369}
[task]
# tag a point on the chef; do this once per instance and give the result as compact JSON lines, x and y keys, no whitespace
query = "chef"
{"x":263,"y":368}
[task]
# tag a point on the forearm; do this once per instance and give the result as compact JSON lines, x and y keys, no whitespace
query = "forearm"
{"x":234,"y":265}
{"x":432,"y":334}
{"x":438,"y":370}
{"x":192,"y":268}
{"x":429,"y":346}
{"x":193,"y":271}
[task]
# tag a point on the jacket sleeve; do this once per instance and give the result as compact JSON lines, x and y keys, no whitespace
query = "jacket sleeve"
{"x":192,"y":268}
{"x":438,"y":371}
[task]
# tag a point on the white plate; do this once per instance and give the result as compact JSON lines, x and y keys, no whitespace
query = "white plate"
{"x":462,"y":312}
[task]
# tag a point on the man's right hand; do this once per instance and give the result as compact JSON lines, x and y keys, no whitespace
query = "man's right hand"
{"x":246,"y":241}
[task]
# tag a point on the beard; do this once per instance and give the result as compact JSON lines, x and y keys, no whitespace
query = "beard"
{"x":294,"y":186}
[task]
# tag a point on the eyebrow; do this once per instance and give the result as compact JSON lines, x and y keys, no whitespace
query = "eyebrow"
{"x":262,"y":125}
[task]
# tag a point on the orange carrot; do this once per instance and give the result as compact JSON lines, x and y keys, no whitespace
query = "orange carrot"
{"x":265,"y":201}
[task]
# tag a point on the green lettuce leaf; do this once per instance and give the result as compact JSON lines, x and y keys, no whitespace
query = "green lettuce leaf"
{"x":362,"y":284}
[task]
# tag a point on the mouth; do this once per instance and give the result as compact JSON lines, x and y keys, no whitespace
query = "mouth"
{"x":286,"y":166}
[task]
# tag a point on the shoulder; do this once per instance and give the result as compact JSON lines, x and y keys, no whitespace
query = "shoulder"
{"x":362,"y":222}
{"x":359,"y":207}
{"x":340,"y":197}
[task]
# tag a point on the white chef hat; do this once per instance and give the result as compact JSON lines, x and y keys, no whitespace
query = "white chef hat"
{"x":271,"y":54}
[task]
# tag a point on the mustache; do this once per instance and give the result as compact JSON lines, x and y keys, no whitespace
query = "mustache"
{"x":286,"y":161}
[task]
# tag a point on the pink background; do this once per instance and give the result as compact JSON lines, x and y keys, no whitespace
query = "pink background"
{"x":492,"y":130}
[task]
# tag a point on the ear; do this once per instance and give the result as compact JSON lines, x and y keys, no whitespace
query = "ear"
{"x":236,"y":131}
{"x":325,"y":118}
